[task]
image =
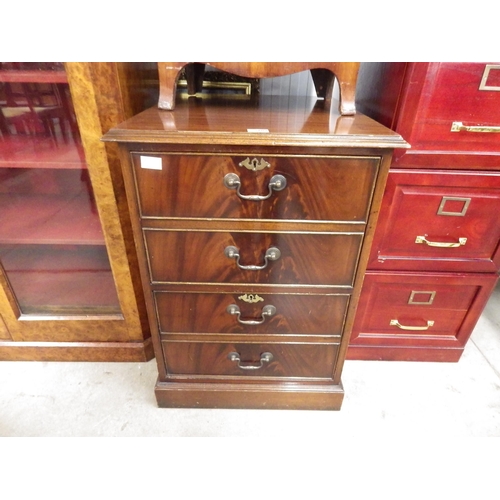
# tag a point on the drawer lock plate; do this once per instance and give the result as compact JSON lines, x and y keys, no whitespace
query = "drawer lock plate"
{"x":254,"y":164}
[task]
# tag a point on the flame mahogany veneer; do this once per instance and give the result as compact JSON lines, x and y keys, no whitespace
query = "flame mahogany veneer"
{"x":273,"y":337}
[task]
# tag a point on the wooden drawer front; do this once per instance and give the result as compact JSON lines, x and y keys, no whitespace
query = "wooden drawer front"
{"x":288,"y":360}
{"x":199,"y":256}
{"x":458,"y":93}
{"x":420,"y":309}
{"x":292,"y":314}
{"x":457,"y":209}
{"x":330,"y":188}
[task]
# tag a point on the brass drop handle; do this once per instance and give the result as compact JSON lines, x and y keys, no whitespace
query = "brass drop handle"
{"x":422,"y":239}
{"x":272,"y":253}
{"x":265,"y":357}
{"x":460,"y":127}
{"x":268,"y":310}
{"x":395,"y":322}
{"x":277,"y":183}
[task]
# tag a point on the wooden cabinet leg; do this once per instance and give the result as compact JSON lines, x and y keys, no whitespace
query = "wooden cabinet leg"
{"x":168,"y":74}
{"x":323,"y":81}
{"x":347,"y":104}
{"x":194,"y":76}
{"x":347,"y":76}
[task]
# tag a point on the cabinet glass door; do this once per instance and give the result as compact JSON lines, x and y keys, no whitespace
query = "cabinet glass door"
{"x":52,"y":248}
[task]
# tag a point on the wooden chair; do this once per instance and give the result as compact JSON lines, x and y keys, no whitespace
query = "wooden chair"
{"x":34,"y":109}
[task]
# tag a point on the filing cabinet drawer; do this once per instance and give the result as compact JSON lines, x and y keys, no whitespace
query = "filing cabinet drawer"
{"x":285,"y":258}
{"x":459,"y":108}
{"x":246,"y":313}
{"x":420,"y":309}
{"x":331,"y":188}
{"x":271,"y":360}
{"x":440,"y":221}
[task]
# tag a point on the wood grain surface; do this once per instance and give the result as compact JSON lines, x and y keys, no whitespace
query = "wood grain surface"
{"x":306,"y":259}
{"x":186,"y":313}
{"x":317,"y":188}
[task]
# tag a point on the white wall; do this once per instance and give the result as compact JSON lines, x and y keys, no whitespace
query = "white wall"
{"x":295,"y":85}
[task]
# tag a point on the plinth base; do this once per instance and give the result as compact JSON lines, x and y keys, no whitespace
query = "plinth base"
{"x":249,"y":396}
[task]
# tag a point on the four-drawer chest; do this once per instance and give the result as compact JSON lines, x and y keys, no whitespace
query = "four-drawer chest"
{"x":253,"y":220}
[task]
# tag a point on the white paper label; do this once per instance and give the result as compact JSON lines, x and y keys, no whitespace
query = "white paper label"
{"x":258,"y":130}
{"x":151,"y":162}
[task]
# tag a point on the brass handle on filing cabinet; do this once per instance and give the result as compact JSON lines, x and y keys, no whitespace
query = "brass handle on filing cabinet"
{"x":460,"y":127}
{"x":277,"y":183}
{"x":422,"y":239}
{"x":268,"y":310}
{"x":265,"y":357}
{"x":272,"y":253}
{"x":395,"y":322}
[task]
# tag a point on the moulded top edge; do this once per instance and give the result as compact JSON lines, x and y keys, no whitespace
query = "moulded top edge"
{"x":233,"y":138}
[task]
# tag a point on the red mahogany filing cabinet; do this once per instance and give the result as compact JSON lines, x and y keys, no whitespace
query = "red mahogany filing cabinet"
{"x":435,"y":255}
{"x":253,"y":220}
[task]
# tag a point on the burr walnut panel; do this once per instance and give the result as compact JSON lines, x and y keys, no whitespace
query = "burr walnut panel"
{"x":286,"y":360}
{"x":208,"y":313}
{"x":317,"y":188}
{"x":200,"y":256}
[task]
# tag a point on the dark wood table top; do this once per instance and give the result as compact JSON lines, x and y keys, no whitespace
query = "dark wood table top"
{"x":255,"y":121}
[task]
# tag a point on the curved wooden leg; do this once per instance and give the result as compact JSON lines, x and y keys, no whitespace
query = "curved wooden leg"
{"x":168,"y":73}
{"x":194,"y":76}
{"x":347,"y":76}
{"x":347,"y":104}
{"x":323,"y":82}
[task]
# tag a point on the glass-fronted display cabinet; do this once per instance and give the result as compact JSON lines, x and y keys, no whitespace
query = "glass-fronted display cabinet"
{"x":69,"y":286}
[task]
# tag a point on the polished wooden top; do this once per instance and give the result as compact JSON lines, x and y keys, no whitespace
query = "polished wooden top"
{"x":259,"y":121}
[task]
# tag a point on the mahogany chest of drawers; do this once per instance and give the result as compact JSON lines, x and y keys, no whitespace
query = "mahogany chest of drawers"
{"x":253,"y":221}
{"x":436,"y":251}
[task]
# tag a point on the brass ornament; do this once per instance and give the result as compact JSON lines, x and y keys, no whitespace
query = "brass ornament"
{"x":423,"y":239}
{"x":251,"y":298}
{"x":254,"y":164}
{"x":445,"y":199}
{"x":414,"y":296}
{"x":460,"y":127}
